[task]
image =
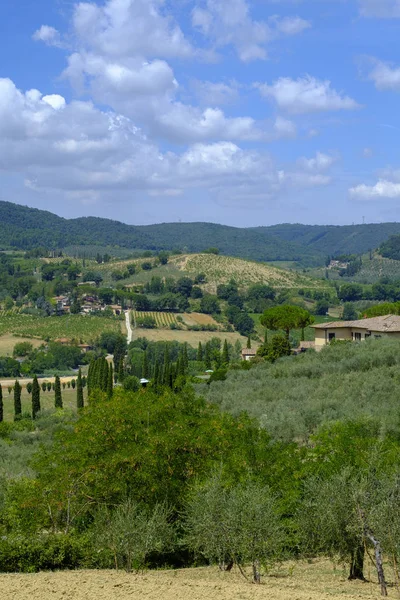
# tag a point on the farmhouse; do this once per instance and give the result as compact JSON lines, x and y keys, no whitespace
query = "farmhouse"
{"x":356,"y":331}
{"x":248,"y":353}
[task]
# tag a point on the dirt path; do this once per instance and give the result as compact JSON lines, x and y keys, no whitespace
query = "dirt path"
{"x":308,"y":582}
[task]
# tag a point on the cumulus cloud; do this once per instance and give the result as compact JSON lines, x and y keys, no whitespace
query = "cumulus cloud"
{"x":85,"y":153}
{"x":306,"y":95}
{"x":382,"y":189}
{"x":234,"y":26}
{"x":380,"y":8}
{"x":320,"y":162}
{"x":385,"y":76}
{"x":48,"y":35}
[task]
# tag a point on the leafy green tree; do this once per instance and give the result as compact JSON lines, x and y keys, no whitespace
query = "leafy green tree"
{"x":17,"y":401}
{"x":349,"y":312}
{"x":22,"y":349}
{"x":321,"y":307}
{"x":209,"y":304}
{"x":35,"y":397}
{"x":131,"y":383}
{"x":58,"y":403}
{"x":277,"y":347}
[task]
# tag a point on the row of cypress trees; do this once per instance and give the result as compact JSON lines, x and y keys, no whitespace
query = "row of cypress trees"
{"x":35,"y":397}
{"x":101,"y":376}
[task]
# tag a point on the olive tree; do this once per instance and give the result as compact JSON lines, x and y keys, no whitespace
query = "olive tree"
{"x":234,"y":525}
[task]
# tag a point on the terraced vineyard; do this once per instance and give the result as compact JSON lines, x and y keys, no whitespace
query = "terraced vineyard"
{"x":162,"y":319}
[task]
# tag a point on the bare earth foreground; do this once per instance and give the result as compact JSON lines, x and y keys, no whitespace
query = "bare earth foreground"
{"x":318,"y":581}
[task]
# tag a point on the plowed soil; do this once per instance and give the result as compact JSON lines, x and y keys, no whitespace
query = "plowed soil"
{"x":318,"y":581}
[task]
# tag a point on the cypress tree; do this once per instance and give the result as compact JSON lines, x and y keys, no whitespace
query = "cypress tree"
{"x":145,"y":367}
{"x":200,"y":353}
{"x":17,"y":401}
{"x":207,"y":357}
{"x":79,"y":391}
{"x":104,"y":375}
{"x":248,"y":342}
{"x":110,"y":382}
{"x":58,"y":403}
{"x":35,"y":397}
{"x":185,"y":356}
{"x":156,"y":374}
{"x":1,"y":405}
{"x":121,"y":372}
{"x":225,"y":354}
{"x":89,"y":377}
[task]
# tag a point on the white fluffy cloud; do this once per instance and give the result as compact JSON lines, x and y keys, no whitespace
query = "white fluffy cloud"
{"x":382,"y":189}
{"x":380,"y":8}
{"x":306,"y":95}
{"x":385,"y":76}
{"x":85,"y":153}
{"x":233,"y":26}
{"x":48,"y":35}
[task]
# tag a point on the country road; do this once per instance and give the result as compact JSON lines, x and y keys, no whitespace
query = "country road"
{"x":128,"y":326}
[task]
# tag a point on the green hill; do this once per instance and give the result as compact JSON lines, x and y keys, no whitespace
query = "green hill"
{"x":308,"y":245}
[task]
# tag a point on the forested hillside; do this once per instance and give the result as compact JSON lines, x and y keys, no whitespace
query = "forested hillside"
{"x":309,"y":245}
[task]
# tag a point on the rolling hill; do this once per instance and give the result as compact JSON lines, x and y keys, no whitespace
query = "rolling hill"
{"x":308,"y":245}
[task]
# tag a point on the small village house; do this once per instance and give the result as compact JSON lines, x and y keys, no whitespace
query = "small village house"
{"x":356,"y":331}
{"x":248,"y":353}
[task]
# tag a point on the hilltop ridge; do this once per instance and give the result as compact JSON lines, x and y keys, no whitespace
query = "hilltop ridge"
{"x":25,"y":228}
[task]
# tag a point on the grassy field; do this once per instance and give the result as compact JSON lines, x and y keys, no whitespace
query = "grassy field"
{"x":314,"y":580}
{"x":191,"y":337}
{"x":46,"y":401}
{"x":8,"y":341}
{"x":83,"y":328}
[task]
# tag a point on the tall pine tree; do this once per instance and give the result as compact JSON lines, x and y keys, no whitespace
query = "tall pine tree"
{"x":58,"y":403}
{"x":1,"y":405}
{"x":199,"y":357}
{"x":17,"y":401}
{"x":35,"y":397}
{"x":79,"y":391}
{"x":248,"y":342}
{"x":207,"y":356}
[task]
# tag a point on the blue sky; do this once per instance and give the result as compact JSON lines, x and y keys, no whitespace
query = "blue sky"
{"x":243,"y":112}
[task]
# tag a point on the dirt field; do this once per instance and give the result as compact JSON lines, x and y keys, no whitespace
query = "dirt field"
{"x":308,"y":582}
{"x":191,"y":337}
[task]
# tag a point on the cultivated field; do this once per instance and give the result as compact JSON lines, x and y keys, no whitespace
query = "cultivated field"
{"x":317,"y":581}
{"x":83,"y":328}
{"x":220,"y":269}
{"x":165,"y":319}
{"x":191,"y":337}
{"x":162,"y":319}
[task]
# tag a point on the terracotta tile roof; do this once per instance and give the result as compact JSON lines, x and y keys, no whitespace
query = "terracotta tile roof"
{"x":249,"y":352}
{"x":383,"y":324}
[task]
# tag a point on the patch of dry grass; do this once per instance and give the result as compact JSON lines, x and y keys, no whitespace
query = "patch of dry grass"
{"x":7,"y":343}
{"x":191,"y":337}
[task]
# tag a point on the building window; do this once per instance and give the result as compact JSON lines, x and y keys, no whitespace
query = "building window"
{"x":331,"y":336}
{"x":357,"y":336}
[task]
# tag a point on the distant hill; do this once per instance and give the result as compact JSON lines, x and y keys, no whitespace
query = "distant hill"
{"x":25,"y":228}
